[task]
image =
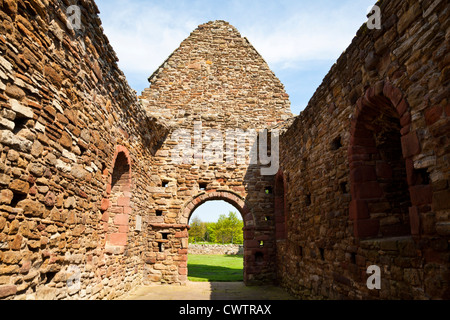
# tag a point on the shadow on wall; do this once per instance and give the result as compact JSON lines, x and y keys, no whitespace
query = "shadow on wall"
{"x":238,"y":291}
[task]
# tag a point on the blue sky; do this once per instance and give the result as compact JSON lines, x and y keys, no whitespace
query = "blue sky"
{"x":300,"y":40}
{"x":211,"y":210}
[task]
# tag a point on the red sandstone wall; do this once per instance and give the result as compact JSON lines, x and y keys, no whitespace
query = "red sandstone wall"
{"x":66,"y":113}
{"x":82,"y":163}
{"x":387,"y":95}
{"x":217,"y":78}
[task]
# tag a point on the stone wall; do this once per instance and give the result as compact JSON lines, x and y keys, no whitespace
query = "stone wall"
{"x":217,"y":81}
{"x":216,"y":249}
{"x":92,"y":203}
{"x":70,"y":127}
{"x":366,"y":166}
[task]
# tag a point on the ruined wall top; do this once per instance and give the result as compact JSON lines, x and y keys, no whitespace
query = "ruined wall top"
{"x":217,"y":76}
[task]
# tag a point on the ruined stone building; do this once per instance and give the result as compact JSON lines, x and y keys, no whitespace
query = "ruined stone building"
{"x":92,"y":203}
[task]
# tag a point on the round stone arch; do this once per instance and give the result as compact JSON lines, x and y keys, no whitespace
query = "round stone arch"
{"x":226,"y":195}
{"x":255,"y":258}
{"x":375,"y":184}
{"x":116,"y":206}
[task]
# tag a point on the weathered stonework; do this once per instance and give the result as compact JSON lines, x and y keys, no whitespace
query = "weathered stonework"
{"x":92,"y":203}
{"x":66,"y":113}
{"x":216,"y":249}
{"x":367,"y":166}
{"x":216,"y":80}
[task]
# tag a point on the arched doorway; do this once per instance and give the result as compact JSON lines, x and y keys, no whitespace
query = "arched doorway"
{"x":382,"y":176}
{"x":255,"y":252}
{"x":215,"y":243}
{"x":211,"y":212}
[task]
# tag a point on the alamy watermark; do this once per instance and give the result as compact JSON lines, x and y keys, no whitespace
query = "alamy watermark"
{"x":219,"y":150}
{"x":73,"y":17}
{"x":232,"y":147}
{"x":73,"y":13}
{"x":374,"y":15}
{"x":374,"y":281}
{"x":74,"y":278}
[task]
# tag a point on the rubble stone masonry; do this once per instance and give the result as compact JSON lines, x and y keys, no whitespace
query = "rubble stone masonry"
{"x":215,"y":80}
{"x":367,"y":165}
{"x":92,"y":202}
{"x":216,"y":249}
{"x":74,"y":144}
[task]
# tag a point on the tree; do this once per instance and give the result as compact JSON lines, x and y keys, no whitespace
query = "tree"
{"x":236,"y":228}
{"x":198,"y":229}
{"x":229,"y":229}
{"x":211,"y":231}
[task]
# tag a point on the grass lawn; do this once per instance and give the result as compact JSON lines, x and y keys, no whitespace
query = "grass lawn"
{"x":215,"y":268}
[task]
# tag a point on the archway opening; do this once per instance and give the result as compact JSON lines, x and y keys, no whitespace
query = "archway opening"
{"x":216,"y":239}
{"x":379,"y":187}
{"x":119,"y":199}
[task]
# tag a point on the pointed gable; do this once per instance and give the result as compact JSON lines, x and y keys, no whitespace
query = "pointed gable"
{"x":217,"y":74}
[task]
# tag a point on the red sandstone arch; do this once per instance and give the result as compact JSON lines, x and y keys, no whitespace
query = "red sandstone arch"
{"x":373,"y":179}
{"x":116,"y":206}
{"x":255,"y":256}
{"x":226,"y":195}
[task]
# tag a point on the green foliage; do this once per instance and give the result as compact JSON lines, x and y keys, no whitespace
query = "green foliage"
{"x":198,"y":229}
{"x":228,"y":229}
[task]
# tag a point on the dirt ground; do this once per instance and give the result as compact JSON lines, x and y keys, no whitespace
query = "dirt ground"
{"x":208,"y":291}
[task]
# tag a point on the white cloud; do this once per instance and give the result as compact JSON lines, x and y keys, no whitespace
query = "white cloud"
{"x":290,"y":35}
{"x":144,"y":34}
{"x":308,"y":35}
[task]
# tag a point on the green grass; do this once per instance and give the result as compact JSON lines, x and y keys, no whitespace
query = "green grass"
{"x":215,"y":268}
